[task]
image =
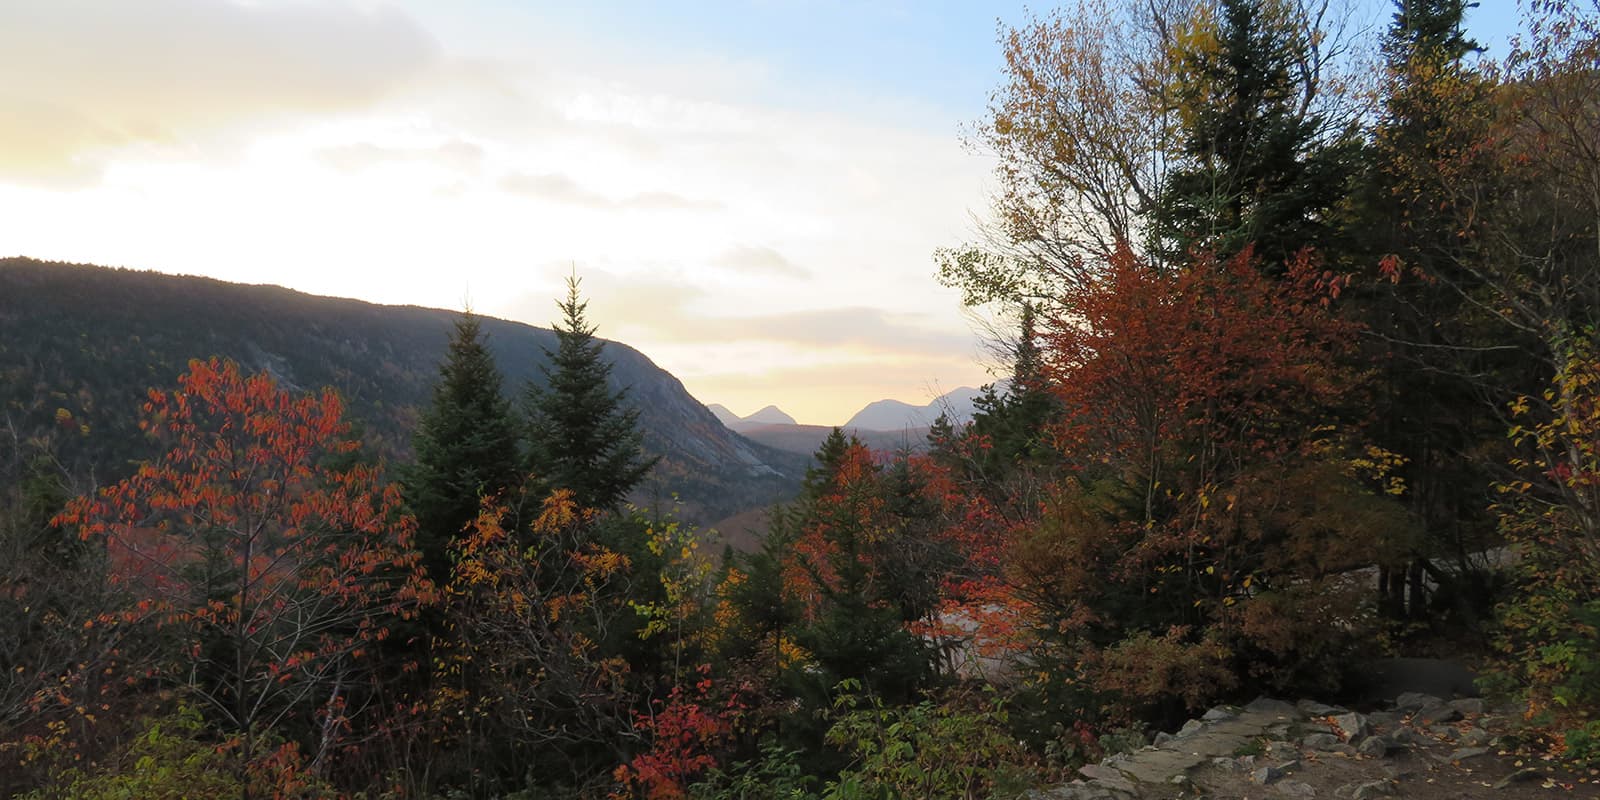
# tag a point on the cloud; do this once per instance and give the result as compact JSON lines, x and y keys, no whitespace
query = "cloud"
{"x":745,"y":259}
{"x":667,"y":201}
{"x":855,"y":327}
{"x":50,"y":144}
{"x":80,"y":79}
{"x":671,"y":312}
{"x":456,"y":154}
{"x":555,"y":187}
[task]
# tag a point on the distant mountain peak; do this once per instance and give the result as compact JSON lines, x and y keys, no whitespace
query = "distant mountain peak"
{"x":728,"y":419}
{"x":771,"y":415}
{"x":898,"y":415}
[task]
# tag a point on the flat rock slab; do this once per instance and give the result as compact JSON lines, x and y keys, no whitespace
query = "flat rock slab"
{"x":1210,"y":744}
{"x":1225,"y":737}
{"x":1160,"y":766}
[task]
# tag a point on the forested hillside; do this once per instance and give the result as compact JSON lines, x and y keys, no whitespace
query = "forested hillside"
{"x":80,"y":345}
{"x":1303,"y":404}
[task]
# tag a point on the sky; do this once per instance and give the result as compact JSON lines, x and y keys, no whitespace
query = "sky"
{"x":750,"y":190}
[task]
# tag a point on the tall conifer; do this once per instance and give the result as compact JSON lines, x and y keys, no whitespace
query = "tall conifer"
{"x":465,"y":444}
{"x":581,"y":435}
{"x":1257,"y":172}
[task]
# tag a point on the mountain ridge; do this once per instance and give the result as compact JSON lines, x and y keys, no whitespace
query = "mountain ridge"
{"x":88,"y":341}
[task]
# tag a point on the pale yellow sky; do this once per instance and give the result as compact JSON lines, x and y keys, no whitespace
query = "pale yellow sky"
{"x":763,"y":248}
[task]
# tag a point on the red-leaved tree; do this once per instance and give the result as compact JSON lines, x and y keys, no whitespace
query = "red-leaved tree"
{"x":1215,"y":485}
{"x":275,"y":574}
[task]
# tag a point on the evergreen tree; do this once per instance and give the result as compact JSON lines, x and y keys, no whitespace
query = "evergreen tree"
{"x":1431,"y":27}
{"x":1424,"y":338}
{"x":861,"y":539}
{"x":828,"y":456}
{"x":466,"y":446}
{"x":1011,"y":423}
{"x":1257,"y":172}
{"x":580,"y":434}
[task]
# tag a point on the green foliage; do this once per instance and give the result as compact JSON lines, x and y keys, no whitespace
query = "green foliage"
{"x":775,"y":775}
{"x":465,"y":446}
{"x":580,"y":434}
{"x":1583,"y":744}
{"x":1008,"y":436}
{"x":922,"y":750}
{"x":173,"y":757}
{"x":1257,"y":170}
{"x":168,"y":759}
{"x":1550,"y":627}
{"x":1434,"y":348}
{"x":862,"y":565}
{"x":1434,"y":27}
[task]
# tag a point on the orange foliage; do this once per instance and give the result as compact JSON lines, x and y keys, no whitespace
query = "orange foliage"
{"x":278,"y":572}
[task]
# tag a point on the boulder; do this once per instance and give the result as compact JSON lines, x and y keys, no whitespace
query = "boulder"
{"x":1296,"y":789}
{"x":1371,"y":790}
{"x":1384,"y":719}
{"x":1313,"y":708}
{"x":1082,"y":790}
{"x":1416,"y":701}
{"x":1375,"y":746}
{"x":1352,"y":725}
{"x":1266,"y":775}
{"x":1435,"y":714}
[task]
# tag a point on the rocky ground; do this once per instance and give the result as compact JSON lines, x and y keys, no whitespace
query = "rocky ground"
{"x":1422,"y":747}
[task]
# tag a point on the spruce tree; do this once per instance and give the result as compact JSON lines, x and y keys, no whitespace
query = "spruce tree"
{"x":1013,"y":422}
{"x":827,"y":459}
{"x":465,"y":444}
{"x":1257,"y":172}
{"x":1424,"y":335}
{"x":581,"y":435}
{"x":1432,"y":28}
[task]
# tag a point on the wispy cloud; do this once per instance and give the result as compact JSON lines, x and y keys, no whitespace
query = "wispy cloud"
{"x":84,"y":78}
{"x":747,"y":259}
{"x":667,"y":311}
{"x":456,"y":154}
{"x":555,"y":187}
